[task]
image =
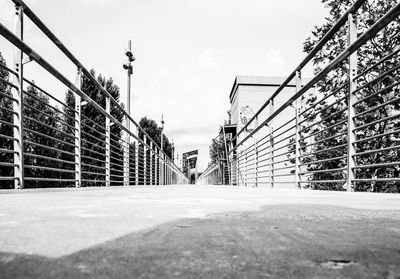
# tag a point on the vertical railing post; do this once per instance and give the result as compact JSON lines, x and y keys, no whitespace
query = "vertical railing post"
{"x":351,"y":136}
{"x":245,"y":168}
{"x":108,"y":143}
{"x":137,"y":158}
{"x":126,"y":152}
{"x":151,"y":162}
{"x":78,"y":134}
{"x":18,"y":102}
{"x":271,"y":145}
{"x":256,"y":164}
{"x":297,"y":152}
{"x":144,"y":161}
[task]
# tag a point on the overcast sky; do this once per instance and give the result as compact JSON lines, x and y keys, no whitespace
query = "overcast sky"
{"x":188,"y":52}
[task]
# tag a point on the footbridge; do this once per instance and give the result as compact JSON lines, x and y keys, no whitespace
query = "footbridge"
{"x":106,"y":215}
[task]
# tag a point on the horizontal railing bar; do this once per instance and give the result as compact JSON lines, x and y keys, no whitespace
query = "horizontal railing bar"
{"x":303,"y":137}
{"x":50,"y":116}
{"x":323,"y":119}
{"x":8,"y":83}
{"x":48,"y":137}
{"x":7,"y":150}
{"x":5,"y":164}
{"x":48,"y":94}
{"x":93,"y":166}
{"x":377,"y":136}
{"x":7,"y":123}
{"x":91,"y":158}
{"x":324,"y":98}
{"x":49,"y":179}
{"x":376,"y":93}
{"x":8,"y":137}
{"x":324,"y":139}
{"x":47,"y":105}
{"x":48,"y":147}
{"x":324,"y":109}
{"x":285,"y":131}
{"x":8,"y":110}
{"x":376,"y":179}
{"x":323,"y":150}
{"x":49,"y":168}
{"x":322,"y":171}
{"x":376,"y":79}
{"x":93,"y":173}
{"x":323,"y":160}
{"x":8,"y":96}
{"x":396,"y":147}
{"x":4,"y":67}
{"x":375,"y":122}
{"x":396,"y":100}
{"x":376,"y":64}
{"x":284,"y":146}
{"x":377,"y":165}
{"x":323,"y":181}
{"x":284,"y":125}
{"x":284,"y":139}
{"x":48,"y":126}
{"x":92,"y":151}
{"x":48,"y":158}
{"x":284,"y":168}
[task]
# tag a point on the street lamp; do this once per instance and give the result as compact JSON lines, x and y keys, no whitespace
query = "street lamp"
{"x":128,"y":66}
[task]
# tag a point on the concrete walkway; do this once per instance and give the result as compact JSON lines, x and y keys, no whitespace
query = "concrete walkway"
{"x":58,"y":222}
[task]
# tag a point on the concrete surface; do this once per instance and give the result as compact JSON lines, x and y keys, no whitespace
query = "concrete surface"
{"x":91,"y":232}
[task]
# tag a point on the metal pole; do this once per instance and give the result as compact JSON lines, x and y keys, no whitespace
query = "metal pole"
{"x":271,"y":145}
{"x":126,"y":155}
{"x":18,"y":102}
{"x":78,"y":135}
{"x":127,"y":123}
{"x":351,"y":136}
{"x":145,"y":161}
{"x":137,"y":163}
{"x":108,"y":144}
{"x":256,"y":165}
{"x":297,"y":135}
{"x":245,"y":168}
{"x":151,"y":162}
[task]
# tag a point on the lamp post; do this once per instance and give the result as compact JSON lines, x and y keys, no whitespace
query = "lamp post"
{"x":128,"y":66}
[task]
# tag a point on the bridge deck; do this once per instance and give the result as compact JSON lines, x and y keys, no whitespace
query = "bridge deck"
{"x":248,"y":231}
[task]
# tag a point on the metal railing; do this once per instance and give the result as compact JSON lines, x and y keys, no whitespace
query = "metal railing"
{"x":215,"y":174}
{"x":45,"y":142}
{"x":347,"y":137}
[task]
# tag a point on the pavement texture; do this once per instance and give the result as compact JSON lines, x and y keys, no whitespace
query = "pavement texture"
{"x":198,"y":232}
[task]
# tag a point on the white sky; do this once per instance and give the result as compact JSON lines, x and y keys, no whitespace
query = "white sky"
{"x":188,"y":52}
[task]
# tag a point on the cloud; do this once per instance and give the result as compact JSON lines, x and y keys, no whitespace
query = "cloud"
{"x":275,"y":60}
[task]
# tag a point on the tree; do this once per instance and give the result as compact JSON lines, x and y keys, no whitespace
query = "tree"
{"x":154,"y":132}
{"x":325,"y":118}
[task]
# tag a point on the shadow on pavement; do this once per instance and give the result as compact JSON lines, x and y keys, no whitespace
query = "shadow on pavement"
{"x":282,"y":241}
